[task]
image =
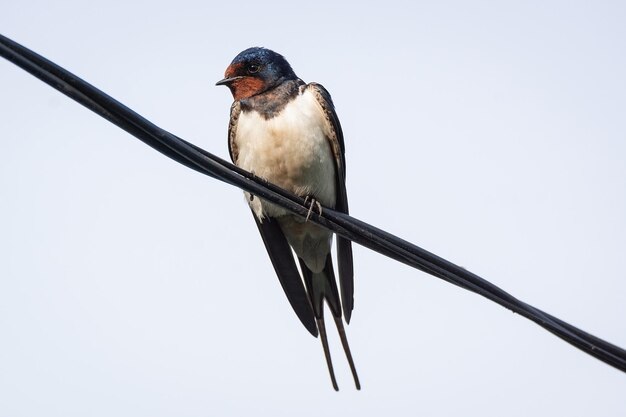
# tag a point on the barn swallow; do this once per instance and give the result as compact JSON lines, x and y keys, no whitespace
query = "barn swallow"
{"x":287,"y":132}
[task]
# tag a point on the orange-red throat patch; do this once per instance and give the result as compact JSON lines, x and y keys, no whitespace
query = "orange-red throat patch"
{"x":246,"y":87}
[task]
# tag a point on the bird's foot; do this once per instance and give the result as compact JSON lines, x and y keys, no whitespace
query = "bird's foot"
{"x":310,"y":201}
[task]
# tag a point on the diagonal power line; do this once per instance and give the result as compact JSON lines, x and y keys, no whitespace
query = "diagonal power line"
{"x":349,"y":227}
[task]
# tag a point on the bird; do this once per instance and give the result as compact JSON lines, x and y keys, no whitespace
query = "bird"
{"x":287,"y":132}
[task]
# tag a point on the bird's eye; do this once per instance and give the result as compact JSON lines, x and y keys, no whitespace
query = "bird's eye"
{"x":253,"y":69}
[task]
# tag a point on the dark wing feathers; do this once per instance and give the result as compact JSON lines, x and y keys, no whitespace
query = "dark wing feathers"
{"x":344,"y":246}
{"x":235,"y":110}
{"x":336,"y":141}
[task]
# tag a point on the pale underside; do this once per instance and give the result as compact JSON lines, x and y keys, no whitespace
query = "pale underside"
{"x":292,"y":150}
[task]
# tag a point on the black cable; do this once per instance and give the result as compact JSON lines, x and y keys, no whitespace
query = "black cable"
{"x":342,"y":224}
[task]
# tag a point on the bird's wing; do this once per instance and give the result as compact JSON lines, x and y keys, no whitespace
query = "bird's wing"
{"x":288,"y":275}
{"x":344,"y":246}
{"x":277,"y":246}
{"x":235,"y":110}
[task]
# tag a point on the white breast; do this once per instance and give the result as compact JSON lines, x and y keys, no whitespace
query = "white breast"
{"x":290,"y":150}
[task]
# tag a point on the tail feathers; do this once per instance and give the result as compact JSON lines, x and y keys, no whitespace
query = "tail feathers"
{"x":329,"y":362}
{"x":322,"y":286}
{"x":346,"y":349}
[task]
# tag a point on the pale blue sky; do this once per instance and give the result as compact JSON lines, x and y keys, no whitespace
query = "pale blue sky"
{"x":491,"y":133}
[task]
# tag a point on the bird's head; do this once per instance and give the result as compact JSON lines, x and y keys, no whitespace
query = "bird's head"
{"x":255,"y":71}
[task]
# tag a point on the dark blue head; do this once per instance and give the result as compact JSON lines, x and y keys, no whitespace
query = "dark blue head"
{"x":256,"y":70}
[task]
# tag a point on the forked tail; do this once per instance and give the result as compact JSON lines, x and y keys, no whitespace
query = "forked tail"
{"x":322,"y":286}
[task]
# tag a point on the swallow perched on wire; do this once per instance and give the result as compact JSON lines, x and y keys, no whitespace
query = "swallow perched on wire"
{"x":287,"y":132}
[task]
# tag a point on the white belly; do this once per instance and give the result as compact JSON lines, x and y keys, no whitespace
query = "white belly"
{"x":290,"y":150}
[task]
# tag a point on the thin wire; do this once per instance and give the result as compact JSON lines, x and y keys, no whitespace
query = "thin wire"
{"x":349,"y":227}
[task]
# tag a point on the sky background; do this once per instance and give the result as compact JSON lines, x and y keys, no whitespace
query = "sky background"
{"x":492,"y":134}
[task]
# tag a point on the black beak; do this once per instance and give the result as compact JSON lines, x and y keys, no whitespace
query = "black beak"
{"x":227,"y":81}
